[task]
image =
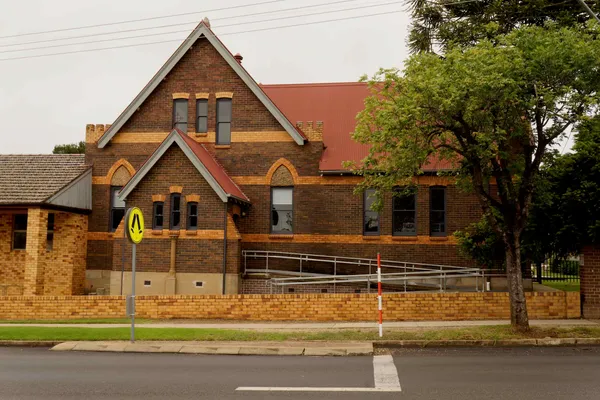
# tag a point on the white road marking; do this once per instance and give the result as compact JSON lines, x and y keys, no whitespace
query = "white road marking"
{"x":312,"y":389}
{"x":384,"y":372}
{"x":386,"y":375}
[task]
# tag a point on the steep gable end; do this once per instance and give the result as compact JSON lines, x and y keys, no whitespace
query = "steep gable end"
{"x":209,"y":168}
{"x":202,"y":31}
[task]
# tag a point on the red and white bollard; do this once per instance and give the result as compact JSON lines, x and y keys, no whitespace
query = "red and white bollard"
{"x":379,"y":300}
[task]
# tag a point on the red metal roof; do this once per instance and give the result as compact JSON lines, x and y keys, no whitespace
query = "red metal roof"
{"x":214,"y":168}
{"x":336,"y":104}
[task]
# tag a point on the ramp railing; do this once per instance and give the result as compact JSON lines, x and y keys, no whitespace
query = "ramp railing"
{"x":400,"y":275}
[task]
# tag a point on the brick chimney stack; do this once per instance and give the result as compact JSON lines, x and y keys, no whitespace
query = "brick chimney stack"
{"x":238,"y":57}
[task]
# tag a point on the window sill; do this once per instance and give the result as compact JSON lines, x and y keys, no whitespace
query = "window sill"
{"x":280,"y":236}
{"x":174,"y":233}
{"x":191,"y":232}
{"x":201,"y":134}
{"x":371,"y":237}
{"x":405,"y":238}
{"x":222,"y":146}
{"x":157,"y":232}
{"x":438,"y":238}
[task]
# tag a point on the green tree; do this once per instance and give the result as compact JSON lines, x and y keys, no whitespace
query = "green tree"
{"x":565,"y":210}
{"x":568,"y":206}
{"x":71,"y":148}
{"x":438,"y":24}
{"x":492,"y":110}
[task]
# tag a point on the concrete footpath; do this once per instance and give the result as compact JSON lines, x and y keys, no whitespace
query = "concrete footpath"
{"x":294,"y":326}
{"x":345,"y":348}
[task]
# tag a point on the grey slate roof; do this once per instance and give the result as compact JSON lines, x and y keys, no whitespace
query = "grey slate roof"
{"x":32,"y":179}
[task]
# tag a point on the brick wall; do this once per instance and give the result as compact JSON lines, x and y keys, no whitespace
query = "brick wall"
{"x":12,"y":262}
{"x":336,"y":210}
{"x":590,"y":282}
{"x":295,"y":307}
{"x":37,"y":270}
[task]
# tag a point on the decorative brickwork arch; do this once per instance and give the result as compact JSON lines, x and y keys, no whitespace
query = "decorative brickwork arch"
{"x":282,"y":173}
{"x":120,"y":173}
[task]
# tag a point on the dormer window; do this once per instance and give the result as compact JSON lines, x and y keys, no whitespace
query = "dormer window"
{"x":180,"y":114}
{"x":223,"y":121}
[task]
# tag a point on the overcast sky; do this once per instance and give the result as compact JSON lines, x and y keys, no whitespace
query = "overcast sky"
{"x":49,"y":100}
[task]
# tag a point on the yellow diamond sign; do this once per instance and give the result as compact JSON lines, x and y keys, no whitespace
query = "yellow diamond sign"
{"x":135,"y":225}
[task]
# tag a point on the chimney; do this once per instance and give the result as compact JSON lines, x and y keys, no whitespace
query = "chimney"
{"x":206,"y":21}
{"x":238,"y":57}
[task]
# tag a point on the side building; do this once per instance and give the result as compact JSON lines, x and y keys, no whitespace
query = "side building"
{"x":45,"y":201}
{"x":221,"y":165}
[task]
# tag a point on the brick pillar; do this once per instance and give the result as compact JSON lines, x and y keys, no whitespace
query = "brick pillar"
{"x":590,"y":282}
{"x":35,"y":251}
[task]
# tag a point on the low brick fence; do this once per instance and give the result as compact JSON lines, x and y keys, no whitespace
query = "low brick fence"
{"x":295,"y":307}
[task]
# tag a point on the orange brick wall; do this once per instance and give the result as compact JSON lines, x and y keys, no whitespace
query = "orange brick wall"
{"x":12,"y":262}
{"x":294,"y":307}
{"x":38,"y":271}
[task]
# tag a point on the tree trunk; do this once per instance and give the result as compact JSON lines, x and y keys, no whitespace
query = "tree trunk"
{"x":518,"y":307}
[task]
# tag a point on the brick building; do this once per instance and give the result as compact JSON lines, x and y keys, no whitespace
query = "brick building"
{"x":220,"y":164}
{"x":44,"y":205}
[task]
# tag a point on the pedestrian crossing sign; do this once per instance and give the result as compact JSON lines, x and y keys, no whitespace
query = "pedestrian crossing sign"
{"x":135,"y":225}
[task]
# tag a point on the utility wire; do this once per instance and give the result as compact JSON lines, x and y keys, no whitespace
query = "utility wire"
{"x":171,"y":25}
{"x":139,"y":20}
{"x":180,"y":40}
{"x":187,"y":30}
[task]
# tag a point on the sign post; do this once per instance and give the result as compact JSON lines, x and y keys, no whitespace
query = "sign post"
{"x":379,"y":299}
{"x":134,"y":226}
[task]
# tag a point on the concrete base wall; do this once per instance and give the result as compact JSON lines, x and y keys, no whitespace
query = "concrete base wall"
{"x":161,"y":283}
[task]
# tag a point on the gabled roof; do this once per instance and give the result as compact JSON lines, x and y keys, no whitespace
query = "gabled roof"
{"x":205,"y":163}
{"x":202,"y":30}
{"x":336,"y":104}
{"x":41,"y":179}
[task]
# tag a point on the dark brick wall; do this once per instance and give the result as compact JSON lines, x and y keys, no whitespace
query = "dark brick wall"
{"x":193,"y":256}
{"x":336,"y":210}
{"x":103,"y":159}
{"x":590,"y":282}
{"x":174,"y":168}
{"x":446,"y":254}
{"x":251,"y":158}
{"x":99,"y":254}
{"x":202,"y":69}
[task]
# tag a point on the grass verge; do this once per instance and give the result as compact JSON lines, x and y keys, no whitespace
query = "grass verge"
{"x":79,"y":321}
{"x":183,"y":334}
{"x":564,"y":286}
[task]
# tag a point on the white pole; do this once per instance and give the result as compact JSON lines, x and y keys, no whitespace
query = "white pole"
{"x":379,"y":300}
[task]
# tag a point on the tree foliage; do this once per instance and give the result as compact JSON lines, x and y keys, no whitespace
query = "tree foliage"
{"x":439,"y":24}
{"x":565,"y":212}
{"x":492,"y":110}
{"x":71,"y":148}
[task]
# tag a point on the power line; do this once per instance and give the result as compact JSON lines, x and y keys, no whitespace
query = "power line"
{"x":171,"y":25}
{"x":225,"y":34}
{"x":139,"y":20}
{"x":567,"y":142}
{"x":221,"y":26}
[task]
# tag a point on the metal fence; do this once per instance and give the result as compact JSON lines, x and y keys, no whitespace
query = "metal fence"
{"x":556,"y":269}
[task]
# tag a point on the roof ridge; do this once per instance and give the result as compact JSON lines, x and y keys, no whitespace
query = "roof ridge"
{"x":312,"y":84}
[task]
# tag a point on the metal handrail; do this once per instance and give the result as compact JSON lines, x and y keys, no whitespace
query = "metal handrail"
{"x":342,"y":260}
{"x":410,"y":271}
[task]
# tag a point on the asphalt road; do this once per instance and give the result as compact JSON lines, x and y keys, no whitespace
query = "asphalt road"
{"x":537,"y":373}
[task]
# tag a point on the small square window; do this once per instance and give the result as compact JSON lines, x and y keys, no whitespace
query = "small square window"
{"x":198,"y":284}
{"x":147,"y":283}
